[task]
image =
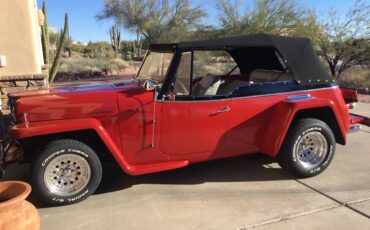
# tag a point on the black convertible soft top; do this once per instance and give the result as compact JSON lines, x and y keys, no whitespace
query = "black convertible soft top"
{"x":258,"y":51}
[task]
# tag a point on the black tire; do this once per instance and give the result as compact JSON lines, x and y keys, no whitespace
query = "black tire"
{"x":68,"y":172}
{"x":291,"y":160}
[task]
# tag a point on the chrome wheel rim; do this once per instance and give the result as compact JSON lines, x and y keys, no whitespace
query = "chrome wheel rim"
{"x":311,"y":150}
{"x":67,"y":175}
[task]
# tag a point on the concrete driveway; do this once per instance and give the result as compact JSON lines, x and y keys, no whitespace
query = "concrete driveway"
{"x":239,"y":193}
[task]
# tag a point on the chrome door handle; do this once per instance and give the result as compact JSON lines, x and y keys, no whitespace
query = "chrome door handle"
{"x":224,"y":110}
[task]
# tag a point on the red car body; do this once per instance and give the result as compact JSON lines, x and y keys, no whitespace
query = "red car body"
{"x":148,"y":130}
{"x":190,"y":102}
{"x":146,"y":135}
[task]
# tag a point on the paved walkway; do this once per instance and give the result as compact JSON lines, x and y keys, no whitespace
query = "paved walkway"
{"x":239,"y":193}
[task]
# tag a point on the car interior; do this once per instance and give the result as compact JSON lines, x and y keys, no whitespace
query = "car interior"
{"x":216,"y":73}
{"x":224,"y":85}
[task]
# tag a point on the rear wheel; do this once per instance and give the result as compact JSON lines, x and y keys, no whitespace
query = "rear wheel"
{"x":308,"y":148}
{"x":66,"y":172}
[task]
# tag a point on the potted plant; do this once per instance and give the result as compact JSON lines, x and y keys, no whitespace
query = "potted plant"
{"x":15,"y":211}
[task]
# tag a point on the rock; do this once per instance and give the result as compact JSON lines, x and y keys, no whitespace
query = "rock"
{"x":4,"y":102}
{"x":21,"y":83}
{"x":7,"y":84}
{"x":35,"y":83}
{"x":6,"y":112}
{"x":34,"y":87}
{"x":12,"y":90}
{"x":24,"y":77}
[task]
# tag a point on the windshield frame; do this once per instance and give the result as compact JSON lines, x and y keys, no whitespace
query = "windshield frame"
{"x":145,"y":59}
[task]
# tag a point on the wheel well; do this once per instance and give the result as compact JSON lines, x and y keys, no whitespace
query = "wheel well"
{"x":324,"y":114}
{"x":35,"y":144}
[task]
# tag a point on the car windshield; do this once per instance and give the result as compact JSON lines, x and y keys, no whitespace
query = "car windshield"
{"x":155,"y":66}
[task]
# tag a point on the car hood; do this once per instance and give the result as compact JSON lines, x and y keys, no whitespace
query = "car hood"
{"x":71,"y":102}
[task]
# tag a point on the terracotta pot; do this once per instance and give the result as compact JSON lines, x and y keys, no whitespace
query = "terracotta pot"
{"x":15,"y":212}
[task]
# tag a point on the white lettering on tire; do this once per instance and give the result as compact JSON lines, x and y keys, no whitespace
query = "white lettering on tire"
{"x":62,"y":200}
{"x":78,"y":197}
{"x":78,"y":151}
{"x":51,"y":156}
{"x":63,"y":151}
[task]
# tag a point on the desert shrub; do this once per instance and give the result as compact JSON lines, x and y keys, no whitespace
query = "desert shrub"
{"x":212,"y":62}
{"x":356,"y":77}
{"x":98,"y":49}
{"x":115,"y":64}
{"x":78,"y":48}
{"x":78,"y":64}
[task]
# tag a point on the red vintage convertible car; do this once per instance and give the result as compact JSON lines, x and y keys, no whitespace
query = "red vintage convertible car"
{"x":190,"y":102}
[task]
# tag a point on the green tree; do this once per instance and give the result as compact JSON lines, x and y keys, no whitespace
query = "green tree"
{"x":154,"y":20}
{"x":308,"y":27}
{"x":268,"y":16}
{"x":54,"y":68}
{"x":115,"y":39}
{"x":345,"y":41}
{"x":282,"y":17}
{"x":134,"y":15}
{"x":184,"y":19}
{"x":68,"y":42}
{"x":98,"y":50}
{"x":53,"y":42}
{"x":45,"y":35}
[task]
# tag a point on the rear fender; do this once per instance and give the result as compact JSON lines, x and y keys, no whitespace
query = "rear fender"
{"x":283,"y":115}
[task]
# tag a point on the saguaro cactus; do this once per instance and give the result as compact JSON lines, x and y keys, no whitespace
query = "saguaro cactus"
{"x":54,"y":68}
{"x":45,"y":35}
{"x":115,"y":38}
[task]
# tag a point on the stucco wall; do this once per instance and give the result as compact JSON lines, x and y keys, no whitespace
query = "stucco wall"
{"x":20,"y":40}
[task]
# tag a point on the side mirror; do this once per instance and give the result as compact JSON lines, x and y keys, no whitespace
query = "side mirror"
{"x":149,"y":85}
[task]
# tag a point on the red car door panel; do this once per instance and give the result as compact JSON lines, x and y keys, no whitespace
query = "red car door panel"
{"x":193,"y":127}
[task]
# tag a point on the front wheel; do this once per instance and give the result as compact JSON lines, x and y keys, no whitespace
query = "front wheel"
{"x":66,"y":172}
{"x":308,"y":148}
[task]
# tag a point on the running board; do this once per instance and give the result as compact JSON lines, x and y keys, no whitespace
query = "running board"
{"x":157,"y":167}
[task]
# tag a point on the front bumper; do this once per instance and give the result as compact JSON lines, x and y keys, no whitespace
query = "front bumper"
{"x":10,"y":149}
{"x":10,"y":152}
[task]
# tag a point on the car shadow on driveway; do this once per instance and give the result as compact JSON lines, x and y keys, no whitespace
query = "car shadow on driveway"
{"x":245,"y":168}
{"x":256,"y":167}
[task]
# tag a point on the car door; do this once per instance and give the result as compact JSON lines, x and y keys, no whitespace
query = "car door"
{"x":195,"y":127}
{"x":190,"y":124}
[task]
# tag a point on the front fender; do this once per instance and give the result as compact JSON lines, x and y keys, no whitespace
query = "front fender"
{"x":32,"y":129}
{"x":39,"y":128}
{"x":283,"y":116}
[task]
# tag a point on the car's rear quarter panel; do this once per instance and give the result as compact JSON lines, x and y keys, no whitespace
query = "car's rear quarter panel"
{"x":260,"y":124}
